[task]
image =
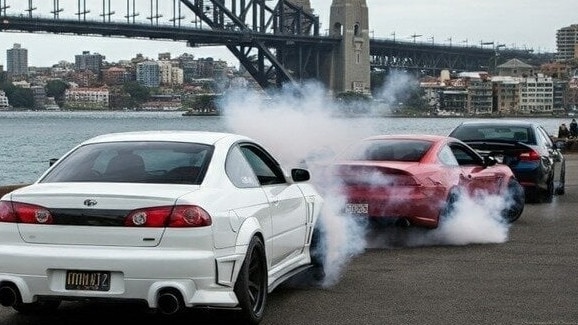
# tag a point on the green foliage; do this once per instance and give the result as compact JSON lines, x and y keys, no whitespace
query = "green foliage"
{"x":350,"y":96}
{"x":19,"y":97}
{"x":138,"y":94}
{"x":57,"y":89}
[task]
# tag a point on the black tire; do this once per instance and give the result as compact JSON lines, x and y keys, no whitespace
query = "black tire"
{"x":316,"y":250}
{"x":561,"y":189}
{"x":39,"y":307}
{"x":548,"y":195}
{"x":517,"y":197}
{"x":251,"y":287}
{"x":449,"y":206}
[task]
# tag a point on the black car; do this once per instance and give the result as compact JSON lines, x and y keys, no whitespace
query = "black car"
{"x":525,"y":146}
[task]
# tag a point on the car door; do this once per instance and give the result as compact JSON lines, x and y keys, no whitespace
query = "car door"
{"x":288,"y":206}
{"x":476,"y":176}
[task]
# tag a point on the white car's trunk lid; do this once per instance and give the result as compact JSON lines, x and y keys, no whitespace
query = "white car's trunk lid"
{"x":94,"y":213}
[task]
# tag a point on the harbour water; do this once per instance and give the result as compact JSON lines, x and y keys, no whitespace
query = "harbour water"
{"x":29,"y":139}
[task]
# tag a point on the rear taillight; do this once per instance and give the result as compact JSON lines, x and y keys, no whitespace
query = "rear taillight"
{"x":24,"y":213}
{"x":169,"y":216}
{"x":530,"y":156}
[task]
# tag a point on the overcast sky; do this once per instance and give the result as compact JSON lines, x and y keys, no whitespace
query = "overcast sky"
{"x":515,"y":23}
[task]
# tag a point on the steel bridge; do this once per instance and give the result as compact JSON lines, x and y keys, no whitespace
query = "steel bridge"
{"x":277,"y":41}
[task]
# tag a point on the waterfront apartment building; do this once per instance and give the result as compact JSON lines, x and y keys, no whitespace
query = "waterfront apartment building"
{"x":88,"y":98}
{"x":479,"y":96}
{"x":3,"y":101}
{"x":148,"y":74}
{"x":17,"y":61}
{"x":537,"y":95}
{"x":567,"y":43}
{"x":87,"y":61}
{"x":506,"y":92}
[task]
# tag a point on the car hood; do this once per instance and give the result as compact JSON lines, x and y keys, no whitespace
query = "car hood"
{"x":92,"y":213}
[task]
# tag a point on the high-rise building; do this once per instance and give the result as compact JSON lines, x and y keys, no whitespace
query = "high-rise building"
{"x":17,"y":61}
{"x":148,"y":74}
{"x":87,"y":61}
{"x":567,"y":43}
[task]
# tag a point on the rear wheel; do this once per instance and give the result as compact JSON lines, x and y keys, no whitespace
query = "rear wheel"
{"x":449,"y":207}
{"x":516,"y":202}
{"x":548,"y":195}
{"x":251,"y":286}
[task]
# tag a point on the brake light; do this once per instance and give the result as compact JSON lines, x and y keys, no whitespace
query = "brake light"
{"x":532,"y":155}
{"x":24,"y":213}
{"x":169,"y":216}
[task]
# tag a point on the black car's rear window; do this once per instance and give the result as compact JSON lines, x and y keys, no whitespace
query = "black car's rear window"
{"x":135,"y":162}
{"x":388,"y":150}
{"x":522,"y":134}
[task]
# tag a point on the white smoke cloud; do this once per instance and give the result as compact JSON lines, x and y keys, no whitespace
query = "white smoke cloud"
{"x":302,"y":130}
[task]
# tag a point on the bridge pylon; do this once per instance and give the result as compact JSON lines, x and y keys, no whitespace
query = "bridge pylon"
{"x":348,"y":68}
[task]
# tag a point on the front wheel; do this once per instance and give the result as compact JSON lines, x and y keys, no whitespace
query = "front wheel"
{"x":251,"y":287}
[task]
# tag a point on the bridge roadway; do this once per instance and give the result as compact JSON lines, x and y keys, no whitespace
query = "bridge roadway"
{"x":530,"y":279}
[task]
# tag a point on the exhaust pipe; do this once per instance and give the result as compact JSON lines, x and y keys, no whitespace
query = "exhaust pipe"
{"x":8,"y":296}
{"x":170,"y":303}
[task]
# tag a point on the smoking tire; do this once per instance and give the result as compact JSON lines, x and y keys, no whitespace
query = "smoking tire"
{"x":514,"y":210}
{"x":449,"y":206}
{"x":316,"y":250}
{"x":251,"y":286}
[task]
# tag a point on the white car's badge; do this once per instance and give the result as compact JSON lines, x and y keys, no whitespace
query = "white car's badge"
{"x":90,"y":202}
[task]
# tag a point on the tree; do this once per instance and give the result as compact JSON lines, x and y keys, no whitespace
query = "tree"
{"x":19,"y":97}
{"x":57,"y":89}
{"x":138,"y":94}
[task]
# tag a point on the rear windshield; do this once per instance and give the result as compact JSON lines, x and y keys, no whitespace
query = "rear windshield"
{"x":134,"y":162}
{"x":388,"y":150}
{"x":522,"y":134}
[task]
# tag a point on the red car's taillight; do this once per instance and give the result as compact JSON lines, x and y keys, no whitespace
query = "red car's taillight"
{"x":24,"y":213}
{"x":532,"y":155}
{"x":169,"y":216}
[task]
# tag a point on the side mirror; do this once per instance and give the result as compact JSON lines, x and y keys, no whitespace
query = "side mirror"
{"x":52,"y":161}
{"x":300,"y":175}
{"x":489,"y":161}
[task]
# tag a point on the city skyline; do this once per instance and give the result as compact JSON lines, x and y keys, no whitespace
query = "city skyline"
{"x":515,"y":23}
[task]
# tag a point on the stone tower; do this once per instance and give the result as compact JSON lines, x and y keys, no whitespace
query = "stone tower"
{"x":349,"y":66}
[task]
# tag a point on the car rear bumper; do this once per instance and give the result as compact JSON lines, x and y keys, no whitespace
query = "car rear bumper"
{"x":419,"y":206}
{"x":135,"y":273}
{"x":531,"y":177}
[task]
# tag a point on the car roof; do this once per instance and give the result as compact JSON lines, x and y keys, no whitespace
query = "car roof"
{"x":425,"y":137}
{"x":501,"y":122}
{"x":205,"y":137}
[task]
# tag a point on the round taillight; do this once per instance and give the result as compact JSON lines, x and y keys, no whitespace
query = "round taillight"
{"x":42,"y":216}
{"x":139,"y":218}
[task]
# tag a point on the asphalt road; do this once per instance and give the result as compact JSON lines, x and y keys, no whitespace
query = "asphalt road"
{"x":531,"y":278}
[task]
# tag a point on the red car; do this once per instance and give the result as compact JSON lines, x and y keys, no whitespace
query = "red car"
{"x":415,"y":179}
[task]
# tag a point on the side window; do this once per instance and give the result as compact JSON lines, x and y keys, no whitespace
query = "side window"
{"x":264,"y":166}
{"x":464,"y":156}
{"x":239,"y":171}
{"x":546,"y":138}
{"x":446,"y":156}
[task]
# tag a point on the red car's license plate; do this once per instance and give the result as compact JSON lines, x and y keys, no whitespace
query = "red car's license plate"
{"x":87,"y":280}
{"x":357,"y":208}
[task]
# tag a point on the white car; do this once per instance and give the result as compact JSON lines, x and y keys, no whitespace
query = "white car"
{"x":175,"y":219}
